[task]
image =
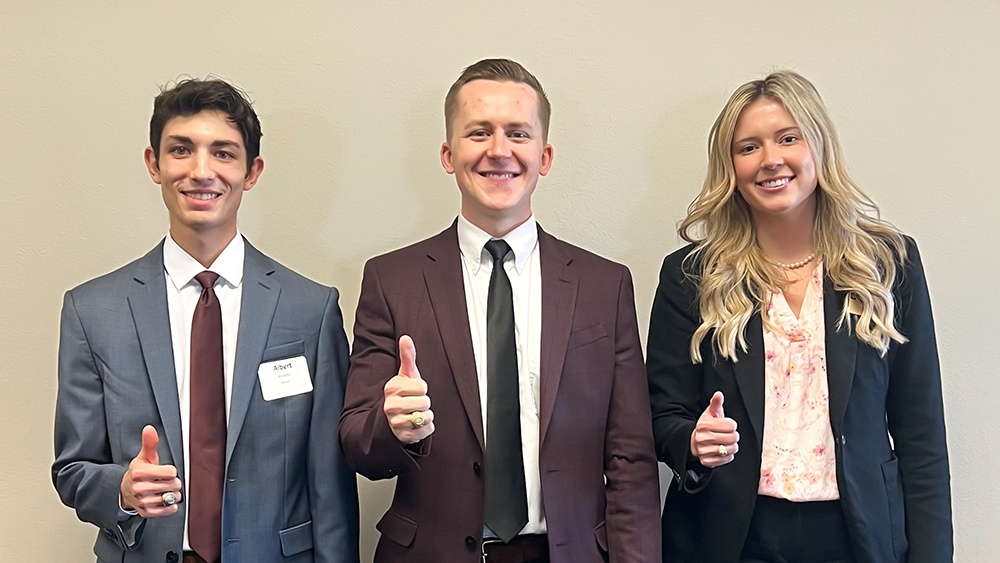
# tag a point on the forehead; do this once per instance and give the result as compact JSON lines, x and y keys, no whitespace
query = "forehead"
{"x":206,"y":125}
{"x":492,"y":100}
{"x":764,"y":114}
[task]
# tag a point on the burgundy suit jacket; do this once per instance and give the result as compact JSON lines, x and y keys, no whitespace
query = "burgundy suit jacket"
{"x":597,"y":460}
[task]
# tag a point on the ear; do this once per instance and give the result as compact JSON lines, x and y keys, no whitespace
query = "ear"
{"x":254,"y":174}
{"x":446,"y":158}
{"x":547,"y":154}
{"x":151,"y":164}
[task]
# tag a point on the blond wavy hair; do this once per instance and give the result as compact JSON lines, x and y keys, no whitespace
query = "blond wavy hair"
{"x":861,"y":252}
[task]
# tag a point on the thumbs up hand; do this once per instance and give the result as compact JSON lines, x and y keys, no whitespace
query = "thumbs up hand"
{"x":715,"y":440}
{"x":407,"y":406}
{"x":146,"y":481}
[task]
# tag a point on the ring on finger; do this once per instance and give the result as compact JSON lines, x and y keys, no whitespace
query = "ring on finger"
{"x":723,"y":451}
{"x":169,"y":499}
{"x":417,"y":419}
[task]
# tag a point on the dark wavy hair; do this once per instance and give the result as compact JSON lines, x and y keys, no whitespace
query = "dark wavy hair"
{"x":193,"y":95}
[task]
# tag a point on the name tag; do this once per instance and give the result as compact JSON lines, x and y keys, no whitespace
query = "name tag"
{"x":284,"y":378}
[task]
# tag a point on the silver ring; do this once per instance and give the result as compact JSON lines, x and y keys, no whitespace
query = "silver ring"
{"x":169,"y":499}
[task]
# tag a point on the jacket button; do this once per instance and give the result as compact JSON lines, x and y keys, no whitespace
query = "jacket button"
{"x":171,"y":557}
{"x":470,"y":542}
{"x":843,"y":439}
{"x":476,"y":468}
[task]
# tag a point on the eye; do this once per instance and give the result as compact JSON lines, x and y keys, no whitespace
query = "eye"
{"x":225,"y":155}
{"x":179,"y":150}
{"x":480,"y":133}
{"x":519,"y":135}
{"x":745,"y":149}
{"x":788,"y":139}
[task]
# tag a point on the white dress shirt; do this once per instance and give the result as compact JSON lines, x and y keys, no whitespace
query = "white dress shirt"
{"x":523,"y":269}
{"x":183,"y":292}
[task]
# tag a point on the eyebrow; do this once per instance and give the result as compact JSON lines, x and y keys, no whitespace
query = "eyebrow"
{"x":215,"y":144}
{"x":511,"y":125}
{"x":779,"y":132}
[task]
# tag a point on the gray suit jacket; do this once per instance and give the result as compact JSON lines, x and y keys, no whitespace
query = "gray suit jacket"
{"x":288,"y":496}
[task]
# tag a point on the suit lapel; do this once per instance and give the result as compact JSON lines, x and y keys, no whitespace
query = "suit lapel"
{"x":841,"y":353}
{"x":559,"y":290}
{"x":147,"y":300}
{"x":260,"y":297}
{"x":749,"y":374}
{"x":443,"y":277}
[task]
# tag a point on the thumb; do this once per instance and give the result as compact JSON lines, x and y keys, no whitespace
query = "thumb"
{"x":150,"y":440}
{"x":408,"y":358}
{"x":715,"y":407}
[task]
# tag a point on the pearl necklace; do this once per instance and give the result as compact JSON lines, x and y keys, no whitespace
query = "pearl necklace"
{"x":799,"y":264}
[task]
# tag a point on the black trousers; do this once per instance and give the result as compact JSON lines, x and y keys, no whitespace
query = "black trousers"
{"x":797,"y":532}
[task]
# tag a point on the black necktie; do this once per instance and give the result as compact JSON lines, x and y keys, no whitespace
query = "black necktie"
{"x":506,"y":494}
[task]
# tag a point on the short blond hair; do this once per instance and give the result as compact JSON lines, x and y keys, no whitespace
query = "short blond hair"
{"x":499,"y":70}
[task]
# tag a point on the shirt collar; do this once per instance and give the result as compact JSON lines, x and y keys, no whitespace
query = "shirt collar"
{"x":472,"y":242}
{"x":181,"y":267}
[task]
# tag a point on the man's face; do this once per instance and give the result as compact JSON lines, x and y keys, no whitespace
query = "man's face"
{"x":202,"y":171}
{"x":496,"y":152}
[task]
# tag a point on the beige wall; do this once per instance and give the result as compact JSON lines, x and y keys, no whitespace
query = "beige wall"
{"x":350,"y":97}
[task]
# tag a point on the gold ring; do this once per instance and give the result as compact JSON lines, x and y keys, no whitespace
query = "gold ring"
{"x":723,"y":451}
{"x":417,"y":419}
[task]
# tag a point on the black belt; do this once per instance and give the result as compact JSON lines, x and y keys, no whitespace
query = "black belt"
{"x":521,"y":549}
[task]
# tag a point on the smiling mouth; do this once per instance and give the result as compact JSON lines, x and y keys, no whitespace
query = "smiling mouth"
{"x":499,"y":175}
{"x":776,"y":182}
{"x":204,"y":196}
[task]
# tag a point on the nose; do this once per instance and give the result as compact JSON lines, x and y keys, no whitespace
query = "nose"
{"x":499,"y":146}
{"x":202,"y":171}
{"x":771,"y":156}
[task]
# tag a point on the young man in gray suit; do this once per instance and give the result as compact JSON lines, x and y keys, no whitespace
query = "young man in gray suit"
{"x":200,"y":385}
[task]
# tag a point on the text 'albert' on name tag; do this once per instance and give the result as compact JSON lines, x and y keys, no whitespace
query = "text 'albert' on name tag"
{"x":284,"y":378}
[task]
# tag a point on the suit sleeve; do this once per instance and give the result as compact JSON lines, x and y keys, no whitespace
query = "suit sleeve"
{"x":915,"y":416}
{"x":369,"y":444}
{"x":675,"y":382}
{"x":84,"y":474}
{"x":333,"y":485}
{"x":632,"y":517}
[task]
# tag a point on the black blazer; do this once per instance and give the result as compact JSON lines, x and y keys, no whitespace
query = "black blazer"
{"x":895,"y":492}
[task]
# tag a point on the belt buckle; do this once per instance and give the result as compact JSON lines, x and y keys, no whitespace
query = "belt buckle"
{"x":487,"y":541}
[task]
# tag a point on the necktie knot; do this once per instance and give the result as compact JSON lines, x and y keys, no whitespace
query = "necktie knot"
{"x":498,"y":248}
{"x":207,"y":279}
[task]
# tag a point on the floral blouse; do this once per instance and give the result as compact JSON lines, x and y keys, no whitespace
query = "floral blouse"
{"x":797,"y":458}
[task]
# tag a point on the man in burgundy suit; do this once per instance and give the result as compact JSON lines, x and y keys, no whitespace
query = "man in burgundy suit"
{"x":538,"y":446}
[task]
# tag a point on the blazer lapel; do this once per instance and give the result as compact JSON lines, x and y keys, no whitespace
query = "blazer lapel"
{"x":443,"y":277}
{"x":260,"y":297}
{"x":841,"y":353}
{"x":147,"y":300}
{"x":559,"y":290}
{"x":749,"y":374}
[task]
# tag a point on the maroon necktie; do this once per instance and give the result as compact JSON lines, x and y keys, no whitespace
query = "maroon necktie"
{"x":207,"y":424}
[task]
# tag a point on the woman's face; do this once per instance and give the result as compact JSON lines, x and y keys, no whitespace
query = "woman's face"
{"x":775,"y":171}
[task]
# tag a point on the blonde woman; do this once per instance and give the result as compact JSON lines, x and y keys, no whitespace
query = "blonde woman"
{"x":792,"y":363}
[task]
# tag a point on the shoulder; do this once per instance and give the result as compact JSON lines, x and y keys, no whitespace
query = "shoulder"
{"x":118,"y":282}
{"x":411,"y":255}
{"x":591,"y":263}
{"x":291,"y":281}
{"x":681,"y":268}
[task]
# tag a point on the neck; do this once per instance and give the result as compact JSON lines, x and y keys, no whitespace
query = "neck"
{"x":205,"y":246}
{"x":786,"y":238}
{"x":497,"y":227}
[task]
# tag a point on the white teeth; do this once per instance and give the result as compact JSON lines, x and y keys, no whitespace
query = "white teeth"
{"x":202,"y":196}
{"x":775,"y":183}
{"x":499,"y":176}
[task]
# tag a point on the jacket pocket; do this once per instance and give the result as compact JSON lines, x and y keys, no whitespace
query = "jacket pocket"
{"x":282,"y":351}
{"x":397,"y":528}
{"x":296,"y":539}
{"x":586,"y":335}
{"x":897,"y":517}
